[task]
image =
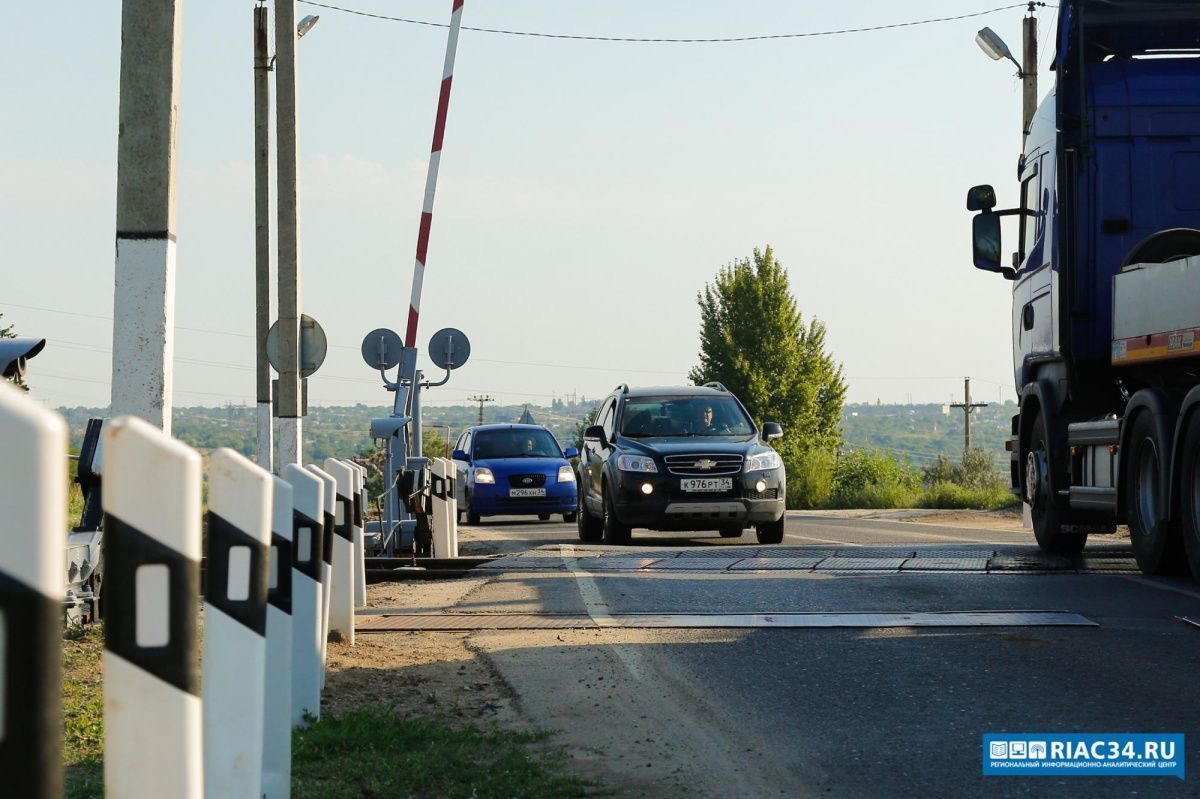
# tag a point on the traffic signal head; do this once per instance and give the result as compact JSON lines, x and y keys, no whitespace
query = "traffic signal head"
{"x":14,"y":352}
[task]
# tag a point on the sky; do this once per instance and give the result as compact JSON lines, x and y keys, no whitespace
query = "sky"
{"x":588,"y":190}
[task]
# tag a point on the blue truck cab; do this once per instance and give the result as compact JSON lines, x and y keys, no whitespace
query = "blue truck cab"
{"x":1108,"y":230}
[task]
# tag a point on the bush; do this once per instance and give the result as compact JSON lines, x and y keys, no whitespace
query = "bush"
{"x":810,"y":479}
{"x":865,"y":479}
{"x":976,"y":470}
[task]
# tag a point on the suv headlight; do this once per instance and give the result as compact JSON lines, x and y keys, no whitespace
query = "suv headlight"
{"x":764,"y":461}
{"x":636,"y":463}
{"x":484,"y":476}
{"x":566,"y":474}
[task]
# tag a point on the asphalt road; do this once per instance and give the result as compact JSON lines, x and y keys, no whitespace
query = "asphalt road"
{"x":844,"y":712}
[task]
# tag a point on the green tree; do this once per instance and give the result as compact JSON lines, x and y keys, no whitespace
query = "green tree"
{"x":754,"y":341}
{"x":7,"y":332}
{"x":584,"y":424}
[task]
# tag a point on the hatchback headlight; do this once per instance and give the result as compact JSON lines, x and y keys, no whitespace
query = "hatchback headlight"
{"x":764,"y":461}
{"x":636,"y":463}
{"x":484,"y":476}
{"x":566,"y":474}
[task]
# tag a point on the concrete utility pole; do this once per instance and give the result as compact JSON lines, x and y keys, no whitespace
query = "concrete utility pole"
{"x":144,"y":296}
{"x":968,"y":408}
{"x":262,"y":237}
{"x":1029,"y":70}
{"x":290,"y":422}
{"x":480,"y":399}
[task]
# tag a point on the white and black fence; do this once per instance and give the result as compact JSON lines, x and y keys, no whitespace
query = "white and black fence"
{"x":284,"y":568}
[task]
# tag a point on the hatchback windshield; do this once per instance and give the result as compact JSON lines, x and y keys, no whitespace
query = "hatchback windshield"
{"x":516,"y":443}
{"x":649,"y":417}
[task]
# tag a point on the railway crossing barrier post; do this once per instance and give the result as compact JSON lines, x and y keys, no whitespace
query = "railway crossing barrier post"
{"x":444,"y":515}
{"x":33,"y":505}
{"x":235,"y":624}
{"x":152,"y":708}
{"x":308,"y":513}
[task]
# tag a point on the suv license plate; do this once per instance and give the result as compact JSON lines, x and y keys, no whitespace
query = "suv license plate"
{"x":527,"y":492}
{"x":707,"y":484}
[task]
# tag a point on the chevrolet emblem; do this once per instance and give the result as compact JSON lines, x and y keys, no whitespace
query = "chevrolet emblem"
{"x":705,"y":464}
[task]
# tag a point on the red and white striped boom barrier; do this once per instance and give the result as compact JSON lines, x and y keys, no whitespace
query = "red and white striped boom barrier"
{"x":435,"y":158}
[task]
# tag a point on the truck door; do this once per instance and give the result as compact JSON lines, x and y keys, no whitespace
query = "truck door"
{"x":1033,"y":304}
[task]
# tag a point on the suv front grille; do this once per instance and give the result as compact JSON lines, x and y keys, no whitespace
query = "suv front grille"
{"x":704,"y":465}
{"x":534,"y":480}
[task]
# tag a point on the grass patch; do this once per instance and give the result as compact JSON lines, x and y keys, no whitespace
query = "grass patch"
{"x":367,"y":753}
{"x":83,"y":712}
{"x":374,"y":752}
{"x":954,"y":496}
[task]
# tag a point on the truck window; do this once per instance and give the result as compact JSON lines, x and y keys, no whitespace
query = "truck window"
{"x":1031,"y":226}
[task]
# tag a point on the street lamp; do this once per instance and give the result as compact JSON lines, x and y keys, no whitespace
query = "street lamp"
{"x":306,"y":25}
{"x":263,"y":63}
{"x":995,"y":48}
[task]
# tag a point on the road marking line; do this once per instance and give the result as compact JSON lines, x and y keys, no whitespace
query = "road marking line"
{"x":1153,"y":584}
{"x":822,"y":540}
{"x":597,"y":609}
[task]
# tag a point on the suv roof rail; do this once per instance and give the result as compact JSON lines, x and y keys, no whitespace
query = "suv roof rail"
{"x":623,"y":388}
{"x":716,"y":385}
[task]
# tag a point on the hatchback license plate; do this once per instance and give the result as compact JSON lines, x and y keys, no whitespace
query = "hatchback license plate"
{"x":527,"y":492}
{"x":707,"y":484}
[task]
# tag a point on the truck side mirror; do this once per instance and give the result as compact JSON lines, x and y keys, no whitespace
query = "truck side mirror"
{"x":771,"y":431}
{"x":985,"y":243}
{"x":981,"y":198}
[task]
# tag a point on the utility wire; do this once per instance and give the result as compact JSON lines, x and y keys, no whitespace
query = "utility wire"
{"x":640,"y":40}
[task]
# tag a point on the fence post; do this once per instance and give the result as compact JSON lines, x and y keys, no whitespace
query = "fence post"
{"x":235,"y":624}
{"x":277,"y":712}
{"x":341,"y":604}
{"x":152,"y":727}
{"x":327,"y":536}
{"x":308,"y":513}
{"x":358,"y":526}
{"x":33,"y":506}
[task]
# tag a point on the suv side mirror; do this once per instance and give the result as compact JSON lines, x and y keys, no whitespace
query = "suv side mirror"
{"x":986,"y":246}
{"x":771,"y":431}
{"x":594,"y":433}
{"x":459,"y":455}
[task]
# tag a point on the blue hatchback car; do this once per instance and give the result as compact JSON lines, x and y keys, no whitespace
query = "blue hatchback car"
{"x":514,"y":470}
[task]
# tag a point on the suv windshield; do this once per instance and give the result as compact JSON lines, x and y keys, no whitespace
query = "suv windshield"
{"x":649,"y":417}
{"x":516,"y":443}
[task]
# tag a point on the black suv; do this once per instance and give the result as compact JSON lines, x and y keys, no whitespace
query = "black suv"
{"x":679,"y":459}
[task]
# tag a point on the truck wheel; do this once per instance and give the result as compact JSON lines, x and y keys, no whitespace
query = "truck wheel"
{"x":1047,"y":516}
{"x":614,"y":532}
{"x":770,"y":532}
{"x":472,"y":517}
{"x":1156,"y":544}
{"x":543,"y":517}
{"x":590,"y":528}
{"x":1189,"y":494}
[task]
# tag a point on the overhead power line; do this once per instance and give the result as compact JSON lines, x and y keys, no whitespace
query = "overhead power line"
{"x":665,"y":40}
